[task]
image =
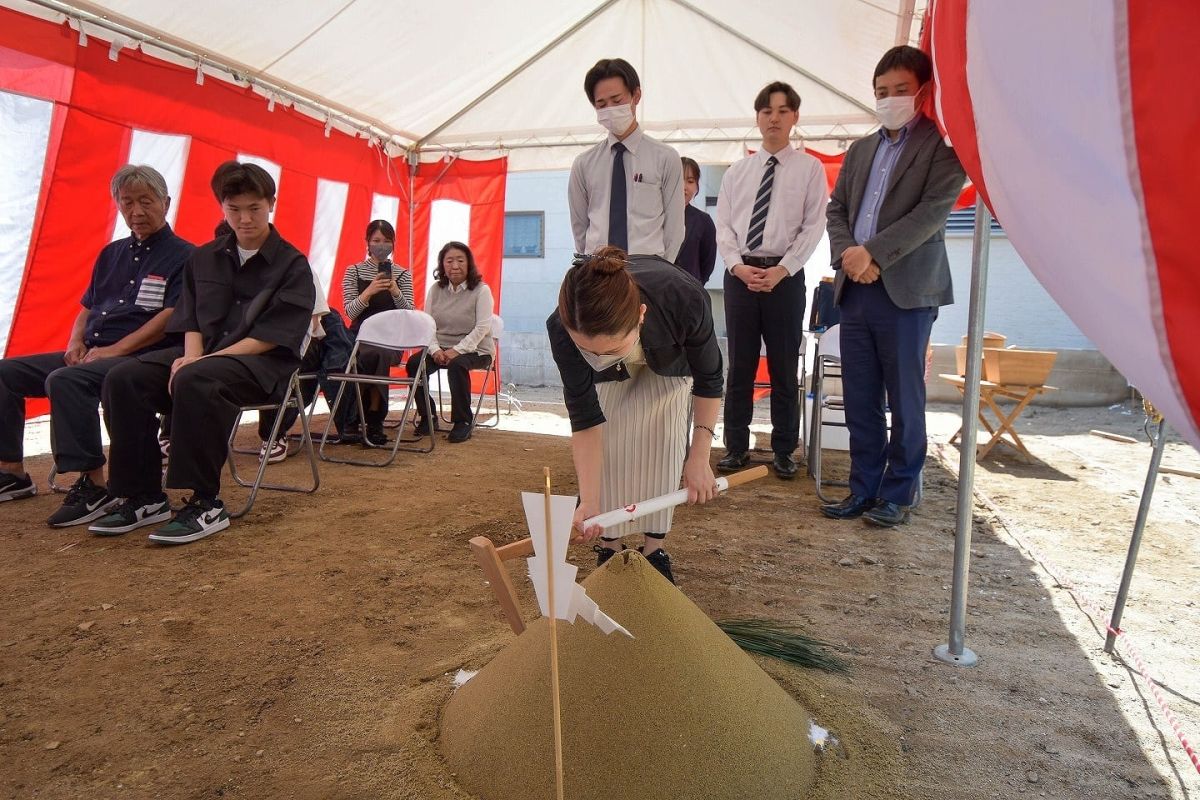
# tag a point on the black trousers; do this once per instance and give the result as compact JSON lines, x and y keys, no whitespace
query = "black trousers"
{"x":74,"y":394}
{"x":776,"y":319}
{"x":203,"y":404}
{"x":458,"y":375}
{"x":373,"y":360}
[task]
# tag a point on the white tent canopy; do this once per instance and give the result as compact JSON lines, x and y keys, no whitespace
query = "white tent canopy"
{"x":485,"y":78}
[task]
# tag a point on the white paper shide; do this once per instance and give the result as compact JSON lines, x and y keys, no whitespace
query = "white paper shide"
{"x":570,"y":599}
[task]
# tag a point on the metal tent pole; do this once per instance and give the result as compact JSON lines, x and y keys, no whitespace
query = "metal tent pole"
{"x":954,"y":652}
{"x":1139,"y":527}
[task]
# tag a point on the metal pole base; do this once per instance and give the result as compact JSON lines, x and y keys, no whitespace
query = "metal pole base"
{"x":967,"y":659}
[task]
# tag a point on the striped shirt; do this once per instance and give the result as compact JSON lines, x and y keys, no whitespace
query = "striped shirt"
{"x":366,"y":271}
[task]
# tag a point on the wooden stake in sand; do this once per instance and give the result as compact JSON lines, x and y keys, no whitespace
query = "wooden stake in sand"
{"x":558,"y":757}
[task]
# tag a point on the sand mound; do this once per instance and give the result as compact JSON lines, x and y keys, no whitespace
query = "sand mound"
{"x":677,"y":712}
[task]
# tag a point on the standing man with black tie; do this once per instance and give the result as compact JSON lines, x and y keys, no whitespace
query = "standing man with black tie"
{"x":627,"y":191}
{"x":887,"y":221}
{"x":770,"y":216}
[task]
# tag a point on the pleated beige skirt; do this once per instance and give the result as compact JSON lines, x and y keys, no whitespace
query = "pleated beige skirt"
{"x":645,"y":438}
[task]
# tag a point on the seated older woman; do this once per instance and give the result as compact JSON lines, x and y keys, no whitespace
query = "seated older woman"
{"x":461,"y":306}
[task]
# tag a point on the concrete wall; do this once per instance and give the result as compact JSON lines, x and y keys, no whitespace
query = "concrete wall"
{"x":1017,"y":305}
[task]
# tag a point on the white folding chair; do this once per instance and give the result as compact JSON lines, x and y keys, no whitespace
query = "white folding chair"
{"x":291,"y":398}
{"x":491,"y":375}
{"x":801,"y":381}
{"x":398,"y":332}
{"x":827,"y":364}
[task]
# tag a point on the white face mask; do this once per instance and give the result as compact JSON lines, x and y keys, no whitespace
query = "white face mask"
{"x":615,"y":119}
{"x":895,"y":112}
{"x":601,"y":363}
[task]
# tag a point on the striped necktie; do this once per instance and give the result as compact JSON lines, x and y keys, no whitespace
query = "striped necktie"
{"x":762,"y":207}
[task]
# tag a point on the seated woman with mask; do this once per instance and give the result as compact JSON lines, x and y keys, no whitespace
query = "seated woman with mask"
{"x":630,"y":339}
{"x":369,"y":287}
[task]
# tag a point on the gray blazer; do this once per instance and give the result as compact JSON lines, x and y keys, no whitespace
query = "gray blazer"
{"x":910,"y":245}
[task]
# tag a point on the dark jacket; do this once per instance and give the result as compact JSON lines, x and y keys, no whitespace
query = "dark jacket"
{"x":909,"y":245}
{"x":677,"y":338}
{"x":269,"y":298}
{"x":698,"y":253}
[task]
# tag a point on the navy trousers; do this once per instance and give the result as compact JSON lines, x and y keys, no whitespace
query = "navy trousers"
{"x":883,"y":359}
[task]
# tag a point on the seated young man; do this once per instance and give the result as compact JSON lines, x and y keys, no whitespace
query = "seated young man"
{"x":135,"y":282}
{"x":244,"y":310}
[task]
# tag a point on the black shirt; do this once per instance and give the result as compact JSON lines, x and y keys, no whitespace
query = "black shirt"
{"x":677,"y":338}
{"x":269,"y":298}
{"x":132,"y":281}
{"x":698,"y":253}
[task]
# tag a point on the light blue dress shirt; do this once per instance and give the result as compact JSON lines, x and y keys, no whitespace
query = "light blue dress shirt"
{"x":886,"y":156}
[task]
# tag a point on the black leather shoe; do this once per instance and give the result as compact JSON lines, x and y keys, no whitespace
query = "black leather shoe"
{"x":887,"y":514}
{"x":785,"y":466}
{"x":459,"y":433}
{"x":732,"y":462}
{"x":852,"y":507}
{"x":661,"y":562}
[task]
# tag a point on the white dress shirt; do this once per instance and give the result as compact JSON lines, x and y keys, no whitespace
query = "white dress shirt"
{"x":654,"y":191}
{"x":796,"y":218}
{"x":320,"y":309}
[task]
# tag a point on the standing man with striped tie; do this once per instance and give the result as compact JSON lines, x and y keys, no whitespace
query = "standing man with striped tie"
{"x":770,"y":217}
{"x":627,"y":191}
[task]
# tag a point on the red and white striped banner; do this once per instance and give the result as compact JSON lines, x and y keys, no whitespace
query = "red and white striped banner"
{"x":71,"y":115}
{"x":1075,"y":120}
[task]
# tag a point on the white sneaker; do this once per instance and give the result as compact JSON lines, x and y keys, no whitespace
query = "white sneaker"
{"x":274,"y":452}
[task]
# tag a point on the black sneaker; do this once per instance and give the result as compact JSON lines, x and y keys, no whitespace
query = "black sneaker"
{"x":131,"y":514}
{"x":85,"y":502}
{"x":603,"y":554}
{"x":661,"y":562}
{"x":197,"y":519}
{"x":13,"y":487}
{"x":459,"y":433}
{"x":375,"y":437}
{"x":421,"y":427}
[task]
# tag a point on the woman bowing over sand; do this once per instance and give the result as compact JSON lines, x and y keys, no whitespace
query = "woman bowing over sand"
{"x":629,"y":336}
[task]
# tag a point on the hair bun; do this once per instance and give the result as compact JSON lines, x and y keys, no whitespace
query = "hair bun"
{"x":608,"y":260}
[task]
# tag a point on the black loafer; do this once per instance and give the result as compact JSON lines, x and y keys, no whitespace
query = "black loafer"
{"x":852,"y":507}
{"x":785,"y":466}
{"x":887,"y":514}
{"x":732,"y":462}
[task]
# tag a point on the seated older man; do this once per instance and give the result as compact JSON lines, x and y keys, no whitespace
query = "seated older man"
{"x":244,"y":310}
{"x":134,"y":285}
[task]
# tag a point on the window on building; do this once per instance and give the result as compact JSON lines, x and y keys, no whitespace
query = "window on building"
{"x":962,"y":223}
{"x":524,"y":234}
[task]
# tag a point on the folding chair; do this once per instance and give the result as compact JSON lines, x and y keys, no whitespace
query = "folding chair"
{"x":492,"y":375}
{"x":827,"y":364}
{"x":397,"y":331}
{"x":291,"y":397}
{"x":762,"y":383}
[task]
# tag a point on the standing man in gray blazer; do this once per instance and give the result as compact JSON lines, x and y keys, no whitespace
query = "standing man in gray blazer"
{"x":886,"y":222}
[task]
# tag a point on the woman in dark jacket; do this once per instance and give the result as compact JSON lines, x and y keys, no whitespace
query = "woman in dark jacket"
{"x":629,"y":338}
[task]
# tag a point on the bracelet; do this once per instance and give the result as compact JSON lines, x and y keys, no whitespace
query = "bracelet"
{"x":706,"y":428}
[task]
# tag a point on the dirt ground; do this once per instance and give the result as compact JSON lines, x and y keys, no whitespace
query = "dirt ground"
{"x":307,"y":651}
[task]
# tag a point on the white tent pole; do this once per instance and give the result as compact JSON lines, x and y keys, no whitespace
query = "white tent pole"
{"x":955,"y":652}
{"x":555,"y":42}
{"x":734,"y":32}
{"x":904,"y":21}
{"x":1139,"y":527}
{"x":414,"y":161}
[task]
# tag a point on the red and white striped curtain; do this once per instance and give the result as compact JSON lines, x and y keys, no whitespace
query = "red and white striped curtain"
{"x":1076,"y":120}
{"x":70,"y":116}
